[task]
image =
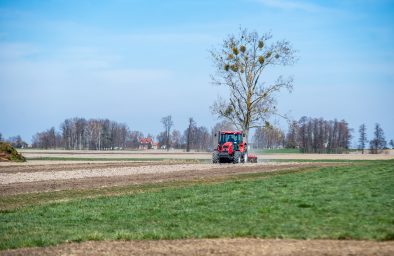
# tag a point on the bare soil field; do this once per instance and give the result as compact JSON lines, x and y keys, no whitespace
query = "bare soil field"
{"x":116,"y":154}
{"x":237,"y":246}
{"x":354,"y":156}
{"x":171,"y":155}
{"x":43,"y":178}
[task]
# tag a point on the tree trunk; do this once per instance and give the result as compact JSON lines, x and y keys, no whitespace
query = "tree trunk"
{"x":168,"y":141}
{"x":246,"y":139}
{"x":188,"y":141}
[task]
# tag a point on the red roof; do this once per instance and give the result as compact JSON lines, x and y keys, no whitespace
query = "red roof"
{"x":146,"y":141}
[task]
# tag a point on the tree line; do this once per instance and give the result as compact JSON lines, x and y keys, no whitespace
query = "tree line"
{"x":103,"y":134}
{"x":15,"y":141}
{"x":93,"y":134}
{"x":309,"y":135}
{"x":378,"y":142}
{"x":316,"y":135}
{"x":79,"y":133}
{"x":194,"y":137}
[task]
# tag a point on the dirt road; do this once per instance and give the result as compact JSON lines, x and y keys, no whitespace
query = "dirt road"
{"x":237,"y":246}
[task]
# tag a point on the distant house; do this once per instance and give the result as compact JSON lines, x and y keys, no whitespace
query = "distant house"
{"x":155,"y":145}
{"x":148,"y":143}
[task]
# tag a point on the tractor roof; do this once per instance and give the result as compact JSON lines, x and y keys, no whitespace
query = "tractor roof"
{"x":230,"y":132}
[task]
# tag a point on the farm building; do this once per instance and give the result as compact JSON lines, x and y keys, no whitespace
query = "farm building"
{"x":148,"y":143}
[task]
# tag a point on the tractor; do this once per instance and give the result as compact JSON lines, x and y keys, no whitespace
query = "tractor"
{"x":231,"y":148}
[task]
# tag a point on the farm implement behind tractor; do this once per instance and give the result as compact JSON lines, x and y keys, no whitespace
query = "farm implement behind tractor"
{"x":231,"y":148}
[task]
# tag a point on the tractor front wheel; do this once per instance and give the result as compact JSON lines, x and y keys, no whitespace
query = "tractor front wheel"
{"x":215,"y":157}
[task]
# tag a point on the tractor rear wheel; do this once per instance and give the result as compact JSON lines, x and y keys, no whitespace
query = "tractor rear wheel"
{"x":215,"y":157}
{"x":237,"y":157}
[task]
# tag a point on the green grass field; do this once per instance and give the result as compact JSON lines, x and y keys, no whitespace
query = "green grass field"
{"x":317,"y":160}
{"x":354,"y":201}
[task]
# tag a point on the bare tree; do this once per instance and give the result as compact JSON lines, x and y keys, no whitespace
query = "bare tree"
{"x":176,"y":139}
{"x":162,"y":138}
{"x":190,"y":130}
{"x":379,"y":142}
{"x":303,"y":134}
{"x":47,"y":139}
{"x":224,"y":125}
{"x":96,"y":133}
{"x":291,"y":137}
{"x":268,"y":137}
{"x":80,"y":129}
{"x":167,"y":123}
{"x":66,"y":128}
{"x":17,"y":142}
{"x":79,"y":133}
{"x":239,"y":65}
{"x":316,"y":135}
{"x":133,"y":140}
{"x":345,"y":135}
{"x":197,"y":137}
{"x":363,"y":137}
{"x":201,"y":138}
{"x":391,"y":143}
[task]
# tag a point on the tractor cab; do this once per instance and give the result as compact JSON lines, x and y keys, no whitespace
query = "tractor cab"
{"x":224,"y":137}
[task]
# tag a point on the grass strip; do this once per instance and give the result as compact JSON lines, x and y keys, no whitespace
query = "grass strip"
{"x":342,"y":202}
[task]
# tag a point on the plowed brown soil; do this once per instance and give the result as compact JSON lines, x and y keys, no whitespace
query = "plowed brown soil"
{"x":50,"y":166}
{"x":153,"y":175}
{"x":238,"y":246}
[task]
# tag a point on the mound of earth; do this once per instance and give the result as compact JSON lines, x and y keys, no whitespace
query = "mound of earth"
{"x":9,"y":153}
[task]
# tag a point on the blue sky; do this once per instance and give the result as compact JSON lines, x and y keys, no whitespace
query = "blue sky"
{"x":135,"y":61}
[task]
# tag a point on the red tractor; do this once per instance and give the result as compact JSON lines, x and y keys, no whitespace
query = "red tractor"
{"x":231,"y":148}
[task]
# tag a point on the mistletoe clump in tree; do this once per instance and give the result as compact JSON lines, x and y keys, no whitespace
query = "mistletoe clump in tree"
{"x":240,"y":64}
